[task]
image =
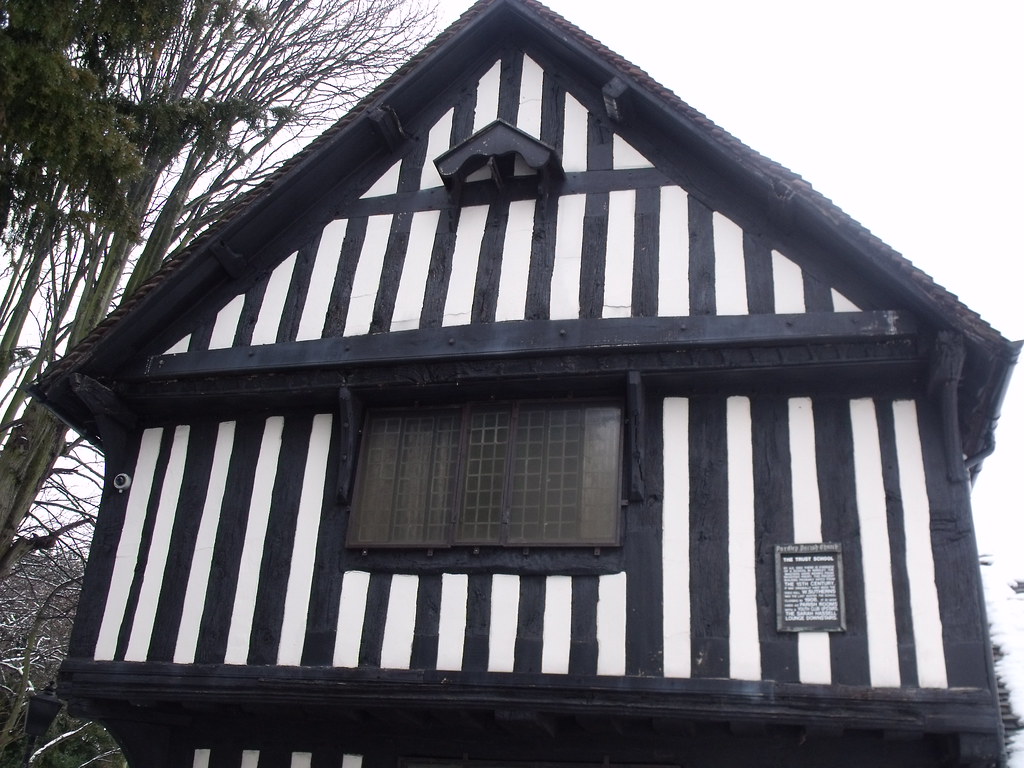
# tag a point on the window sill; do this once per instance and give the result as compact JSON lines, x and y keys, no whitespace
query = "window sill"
{"x":540,"y":561}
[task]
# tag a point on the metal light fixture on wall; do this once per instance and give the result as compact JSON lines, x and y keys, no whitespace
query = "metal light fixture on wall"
{"x":40,"y":713}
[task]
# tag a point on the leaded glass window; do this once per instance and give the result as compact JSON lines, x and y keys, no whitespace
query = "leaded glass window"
{"x":518,"y":474}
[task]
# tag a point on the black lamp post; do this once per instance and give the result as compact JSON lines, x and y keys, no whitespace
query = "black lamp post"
{"x":40,"y":713}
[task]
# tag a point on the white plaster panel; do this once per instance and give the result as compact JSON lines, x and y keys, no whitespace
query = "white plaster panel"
{"x":675,"y":539}
{"x":237,"y":651}
{"x":557,"y":625}
{"x":366,"y":281}
{"x":409,"y":301}
{"x":351,"y":612}
{"x":674,"y":253}
{"x":128,"y":545}
{"x":272,"y":308}
{"x":730,"y":270}
{"x":618,"y":266}
{"x":458,"y":306}
{"x":565,"y":275}
{"x":924,"y":596}
{"x":883,"y":658}
{"x":307,"y":524}
{"x":501,"y":643}
{"x":160,"y":542}
{"x":202,"y":555}
{"x":321,"y":281}
{"x":744,"y":642}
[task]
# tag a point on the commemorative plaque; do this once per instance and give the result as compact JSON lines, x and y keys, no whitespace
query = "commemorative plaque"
{"x":809,"y":588}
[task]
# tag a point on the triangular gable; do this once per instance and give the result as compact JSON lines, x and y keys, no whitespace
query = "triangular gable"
{"x":696,"y":261}
{"x":795,"y":246}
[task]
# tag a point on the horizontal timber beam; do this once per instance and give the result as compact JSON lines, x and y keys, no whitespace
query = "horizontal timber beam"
{"x":323,"y":690}
{"x":531,"y":338}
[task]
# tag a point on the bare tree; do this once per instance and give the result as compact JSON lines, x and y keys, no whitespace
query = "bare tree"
{"x":231,"y":91}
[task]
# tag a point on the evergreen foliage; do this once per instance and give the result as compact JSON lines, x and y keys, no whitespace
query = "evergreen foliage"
{"x":127,"y":127}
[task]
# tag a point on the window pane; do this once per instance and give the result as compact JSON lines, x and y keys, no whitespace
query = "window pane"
{"x":371,"y":519}
{"x":486,"y":456}
{"x":565,"y":475}
{"x":601,"y":473}
{"x":407,"y":477}
{"x":521,"y":474}
{"x":545,"y":504}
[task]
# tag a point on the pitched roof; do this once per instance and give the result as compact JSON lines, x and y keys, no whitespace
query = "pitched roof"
{"x":993,"y":356}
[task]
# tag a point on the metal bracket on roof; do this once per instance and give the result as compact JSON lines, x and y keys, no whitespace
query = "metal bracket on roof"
{"x":114,"y":420}
{"x":385,"y":121}
{"x":616,"y":100}
{"x":101,"y":400}
{"x":232,"y":261}
{"x":781,"y":206}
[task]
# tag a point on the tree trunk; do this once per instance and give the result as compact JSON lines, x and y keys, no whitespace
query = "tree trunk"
{"x":25,"y":462}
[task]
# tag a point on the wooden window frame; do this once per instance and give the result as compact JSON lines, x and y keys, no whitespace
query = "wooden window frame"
{"x":611,"y":536}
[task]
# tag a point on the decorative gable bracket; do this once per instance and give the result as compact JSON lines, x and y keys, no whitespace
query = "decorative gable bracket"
{"x":504,"y":153}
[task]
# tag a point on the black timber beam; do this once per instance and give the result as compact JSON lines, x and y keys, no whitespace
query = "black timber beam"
{"x":965,"y":712}
{"x":896,"y":368}
{"x":531,"y":337}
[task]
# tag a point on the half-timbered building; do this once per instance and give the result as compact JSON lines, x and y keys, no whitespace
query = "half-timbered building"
{"x":529,"y":417}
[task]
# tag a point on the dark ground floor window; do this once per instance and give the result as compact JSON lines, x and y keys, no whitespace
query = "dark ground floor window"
{"x":518,"y":474}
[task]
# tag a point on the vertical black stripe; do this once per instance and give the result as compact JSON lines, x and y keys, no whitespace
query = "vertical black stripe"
{"x":542,"y":259}
{"x":251,"y":310}
{"x":325,"y":589}
{"x":817,"y":295}
{"x":709,"y":538}
{"x":411,"y":172}
{"x":160,"y":473}
{"x":488,"y":271}
{"x":391,"y":272}
{"x":646,"y":246}
{"x":702,"y":258}
{"x":956,"y":558}
{"x":462,"y":118}
{"x":341,"y":293}
{"x":177,"y":752}
{"x":654,"y":473}
{"x":583,"y":639}
{"x":188,"y":514}
{"x":897,"y":543}
{"x":329,"y":753}
{"x":274,"y":755}
{"x":478,"y":623}
{"x":102,"y":552}
{"x":530,"y":628}
{"x":440,"y":269}
{"x":298,"y":288}
{"x":225,"y":757}
{"x":199,"y":340}
{"x":428,"y":615}
{"x":773,"y":524}
{"x":542,"y":251}
{"x":377,"y":595}
{"x":592,"y":260}
{"x":642,"y":557}
{"x":599,"y":145}
{"x":275,"y":566}
{"x":757,"y":264}
{"x":552,"y":113}
{"x":833,"y":438}
{"x":508,"y":92}
{"x":227,"y":551}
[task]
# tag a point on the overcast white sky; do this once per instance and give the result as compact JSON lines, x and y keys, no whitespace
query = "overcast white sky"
{"x":908,"y":114}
